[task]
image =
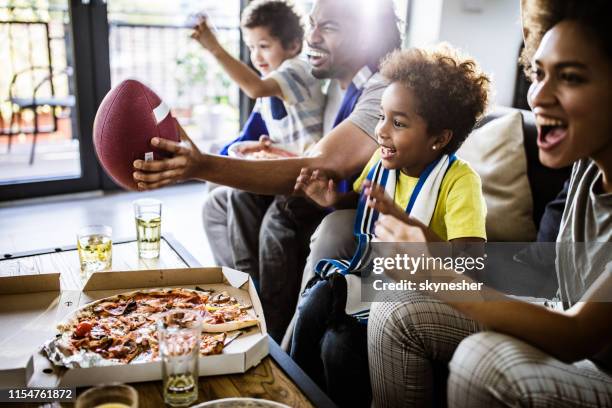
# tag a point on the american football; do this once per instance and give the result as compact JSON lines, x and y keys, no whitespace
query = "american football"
{"x":130,"y":115}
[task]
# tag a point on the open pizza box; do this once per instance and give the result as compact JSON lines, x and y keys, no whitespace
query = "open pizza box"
{"x":29,"y":316}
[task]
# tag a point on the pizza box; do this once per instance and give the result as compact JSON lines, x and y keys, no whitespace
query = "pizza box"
{"x":27,"y":304}
{"x":50,"y":308}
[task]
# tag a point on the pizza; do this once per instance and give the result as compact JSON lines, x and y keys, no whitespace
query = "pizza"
{"x":122,"y":329}
{"x":256,"y":151}
{"x":267,"y":154}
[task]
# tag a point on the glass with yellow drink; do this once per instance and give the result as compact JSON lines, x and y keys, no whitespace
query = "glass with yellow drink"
{"x":147,"y":213}
{"x":94,"y":245}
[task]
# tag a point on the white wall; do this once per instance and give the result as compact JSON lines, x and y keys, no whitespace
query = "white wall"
{"x":488,"y":30}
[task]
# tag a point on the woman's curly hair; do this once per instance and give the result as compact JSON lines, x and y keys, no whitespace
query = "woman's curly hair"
{"x":451,"y":90}
{"x":539,"y":16}
{"x":278,"y":16}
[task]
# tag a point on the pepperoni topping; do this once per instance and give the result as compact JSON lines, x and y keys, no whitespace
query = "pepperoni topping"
{"x":82,"y":329}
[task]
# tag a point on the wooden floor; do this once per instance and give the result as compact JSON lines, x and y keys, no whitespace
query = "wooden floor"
{"x":53,"y":222}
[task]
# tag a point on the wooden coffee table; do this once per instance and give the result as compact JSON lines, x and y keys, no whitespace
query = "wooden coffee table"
{"x":276,"y":378}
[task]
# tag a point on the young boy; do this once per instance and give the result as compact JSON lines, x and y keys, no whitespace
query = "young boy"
{"x":288,"y":112}
{"x":289,"y":105}
{"x":431,"y":105}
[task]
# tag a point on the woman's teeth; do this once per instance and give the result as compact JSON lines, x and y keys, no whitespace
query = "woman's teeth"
{"x":549,"y":122}
{"x":551,"y":132}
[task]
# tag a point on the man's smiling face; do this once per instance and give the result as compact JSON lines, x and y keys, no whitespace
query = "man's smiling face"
{"x":333,"y":39}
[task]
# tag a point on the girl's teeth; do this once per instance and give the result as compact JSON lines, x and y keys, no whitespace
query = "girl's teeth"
{"x":387,"y":150}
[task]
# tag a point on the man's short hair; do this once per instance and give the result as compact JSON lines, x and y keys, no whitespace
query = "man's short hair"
{"x":279,"y":17}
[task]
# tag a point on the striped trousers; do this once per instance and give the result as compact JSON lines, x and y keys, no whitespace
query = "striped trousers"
{"x":412,"y":334}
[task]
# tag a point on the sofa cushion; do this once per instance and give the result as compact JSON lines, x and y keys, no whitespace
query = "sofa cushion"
{"x":497,"y":153}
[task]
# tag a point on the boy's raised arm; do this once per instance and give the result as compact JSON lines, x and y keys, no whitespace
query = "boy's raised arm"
{"x":247,"y":79}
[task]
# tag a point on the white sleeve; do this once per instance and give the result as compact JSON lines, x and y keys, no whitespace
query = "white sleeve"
{"x":295,"y":81}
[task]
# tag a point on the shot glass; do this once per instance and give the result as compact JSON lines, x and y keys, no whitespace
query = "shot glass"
{"x":95,"y":247}
{"x":147,"y":213}
{"x":111,"y":395}
{"x":178,"y":334}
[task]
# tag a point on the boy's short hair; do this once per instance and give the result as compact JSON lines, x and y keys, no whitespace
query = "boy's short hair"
{"x":279,"y":17}
{"x":451,"y":90}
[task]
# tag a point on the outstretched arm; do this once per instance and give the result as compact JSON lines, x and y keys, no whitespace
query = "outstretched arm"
{"x":581,"y":332}
{"x":245,"y":77}
{"x":341,"y":153}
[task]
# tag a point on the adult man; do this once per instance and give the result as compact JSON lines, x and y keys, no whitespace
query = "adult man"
{"x":346,"y":42}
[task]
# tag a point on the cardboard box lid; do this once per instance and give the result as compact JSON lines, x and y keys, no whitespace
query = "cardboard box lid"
{"x":27,"y":304}
{"x":32,"y":317}
{"x":164,"y":277}
{"x":44,"y":282}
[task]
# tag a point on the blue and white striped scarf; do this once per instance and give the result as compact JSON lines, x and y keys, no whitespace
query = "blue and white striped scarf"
{"x":421,"y":206}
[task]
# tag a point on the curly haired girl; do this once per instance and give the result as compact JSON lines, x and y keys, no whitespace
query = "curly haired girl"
{"x":431,"y":105}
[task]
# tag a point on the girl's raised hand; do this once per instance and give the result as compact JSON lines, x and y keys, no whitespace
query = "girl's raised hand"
{"x":394,"y":224}
{"x":392,"y":229}
{"x":381,"y":202}
{"x":318,"y":187}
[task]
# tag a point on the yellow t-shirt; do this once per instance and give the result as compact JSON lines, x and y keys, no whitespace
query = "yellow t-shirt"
{"x":460,"y":211}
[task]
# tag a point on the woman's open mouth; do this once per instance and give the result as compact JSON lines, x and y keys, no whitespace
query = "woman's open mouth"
{"x":317,"y":57}
{"x":387,"y":153}
{"x":551,"y":132}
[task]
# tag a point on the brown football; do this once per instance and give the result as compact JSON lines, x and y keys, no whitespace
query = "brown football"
{"x":130,"y":115}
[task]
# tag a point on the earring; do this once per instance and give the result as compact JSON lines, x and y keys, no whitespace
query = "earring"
{"x":434,"y":147}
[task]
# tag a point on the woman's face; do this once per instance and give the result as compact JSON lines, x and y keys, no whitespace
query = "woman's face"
{"x":571,"y":96}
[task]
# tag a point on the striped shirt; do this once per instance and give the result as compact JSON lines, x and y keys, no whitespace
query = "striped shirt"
{"x":302,"y":126}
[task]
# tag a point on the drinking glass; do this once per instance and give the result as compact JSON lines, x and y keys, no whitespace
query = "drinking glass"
{"x":147,"y":213}
{"x":108,"y":396}
{"x":95,"y":247}
{"x":179,"y":348}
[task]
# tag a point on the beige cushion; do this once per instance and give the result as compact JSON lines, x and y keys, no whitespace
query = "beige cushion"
{"x":497,"y":154}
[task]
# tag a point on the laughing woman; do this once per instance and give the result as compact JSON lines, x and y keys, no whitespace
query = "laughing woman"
{"x":513,"y":353}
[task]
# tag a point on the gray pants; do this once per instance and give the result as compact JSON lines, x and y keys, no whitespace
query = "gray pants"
{"x":409,"y":335}
{"x":266,"y":237}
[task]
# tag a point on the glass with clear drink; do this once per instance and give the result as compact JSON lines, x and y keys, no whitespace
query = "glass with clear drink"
{"x":94,"y":245}
{"x":178,"y":333}
{"x":147,"y":213}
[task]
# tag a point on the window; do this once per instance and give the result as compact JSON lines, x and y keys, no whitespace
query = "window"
{"x":149,"y":41}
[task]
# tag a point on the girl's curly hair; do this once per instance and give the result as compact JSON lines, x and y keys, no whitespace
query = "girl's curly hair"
{"x":451,"y":90}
